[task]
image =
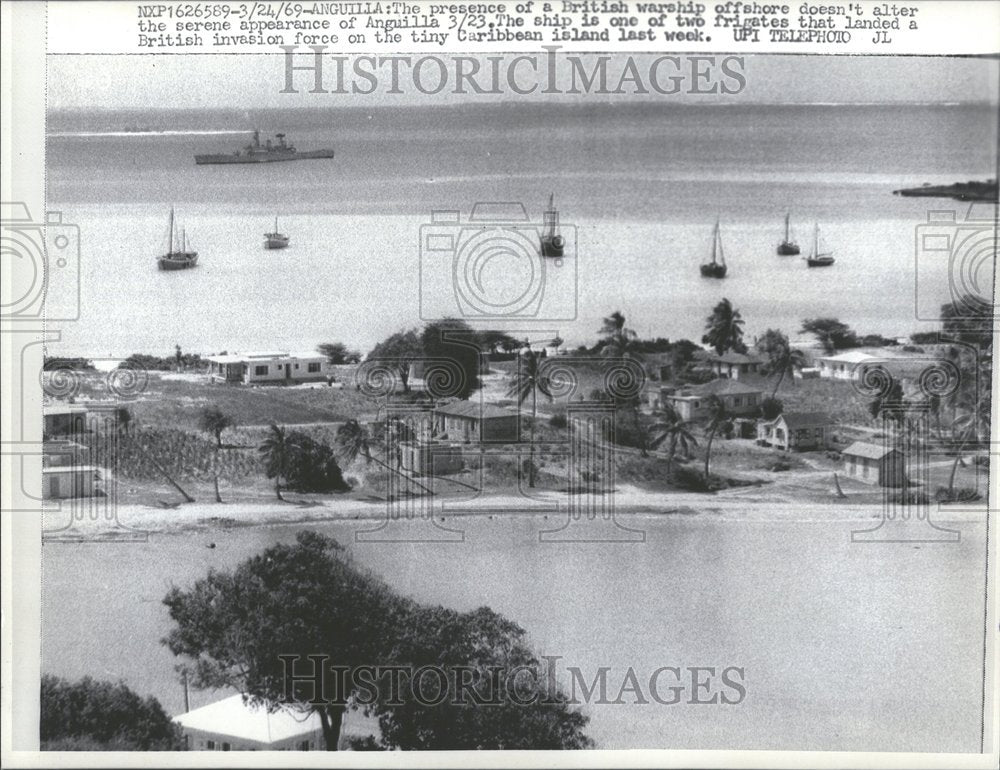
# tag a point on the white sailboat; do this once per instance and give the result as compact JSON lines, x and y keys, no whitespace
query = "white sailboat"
{"x":275,"y":240}
{"x":819,"y":258}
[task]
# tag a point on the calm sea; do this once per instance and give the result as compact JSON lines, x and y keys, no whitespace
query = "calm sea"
{"x":638,"y":187}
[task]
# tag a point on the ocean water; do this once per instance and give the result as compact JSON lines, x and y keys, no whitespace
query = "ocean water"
{"x":638,"y":188}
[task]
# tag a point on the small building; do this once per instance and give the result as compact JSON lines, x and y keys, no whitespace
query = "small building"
{"x":473,"y":421}
{"x":63,"y":419}
{"x":735,"y":365}
{"x":845,"y":366}
{"x":269,"y":368}
{"x":60,"y":482}
{"x":691,"y":402}
{"x":873,"y":464}
{"x":795,"y":430}
{"x":431,"y":458}
{"x":232,"y":725}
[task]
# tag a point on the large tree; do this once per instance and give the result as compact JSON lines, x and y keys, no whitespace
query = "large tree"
{"x":214,"y":421}
{"x":251,"y":627}
{"x":718,"y":419}
{"x":451,"y":365}
{"x":675,"y":432}
{"x":246,"y":627}
{"x":400,"y":351}
{"x":831,"y":333}
{"x":91,"y":715}
{"x":724,"y":329}
{"x":337,"y":353}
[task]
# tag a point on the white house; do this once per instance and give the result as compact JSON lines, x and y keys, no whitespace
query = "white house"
{"x":845,"y":366}
{"x":269,"y":368}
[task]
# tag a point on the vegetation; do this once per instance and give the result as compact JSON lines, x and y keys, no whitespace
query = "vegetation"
{"x":214,"y":421}
{"x":399,"y":350}
{"x":451,"y":350}
{"x":673,"y":431}
{"x":242,"y":628}
{"x":782,"y":359}
{"x":337,"y":353}
{"x":177,"y":362}
{"x":74,"y":364}
{"x":306,"y":465}
{"x":529,"y":379}
{"x":718,"y":418}
{"x":831,"y":333}
{"x":724,"y":329}
{"x":90,"y":715}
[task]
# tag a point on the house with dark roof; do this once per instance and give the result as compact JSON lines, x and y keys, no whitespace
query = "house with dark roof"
{"x":475,"y":422}
{"x":795,"y":430}
{"x":735,"y":365}
{"x":874,"y":464}
{"x":692,"y":402}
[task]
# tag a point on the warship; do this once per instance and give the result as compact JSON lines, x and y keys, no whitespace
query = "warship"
{"x":269,"y":152}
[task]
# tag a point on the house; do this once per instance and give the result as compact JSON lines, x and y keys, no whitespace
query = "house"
{"x":473,"y":421}
{"x":845,"y":366}
{"x":735,"y":365}
{"x":232,"y":725}
{"x":873,"y":464}
{"x":795,"y":430}
{"x":431,"y":458}
{"x":691,"y":403}
{"x":63,"y":419}
{"x":269,"y":368}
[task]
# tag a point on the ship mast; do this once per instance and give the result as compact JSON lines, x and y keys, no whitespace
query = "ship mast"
{"x":170,"y":244}
{"x":787,"y":229}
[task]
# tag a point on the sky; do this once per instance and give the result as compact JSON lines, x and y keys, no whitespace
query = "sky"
{"x":256,"y":80}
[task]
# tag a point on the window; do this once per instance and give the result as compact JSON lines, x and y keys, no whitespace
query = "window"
{"x":226,"y":747}
{"x":313,"y":368}
{"x":303,"y":746}
{"x":260,"y":370}
{"x":737,"y":401}
{"x":210,"y":745}
{"x":297,"y":366}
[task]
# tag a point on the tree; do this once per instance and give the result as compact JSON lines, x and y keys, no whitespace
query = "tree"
{"x":399,"y":350}
{"x":337,"y":353}
{"x":718,"y":417}
{"x":724,"y":329}
{"x":312,"y":466}
{"x":529,"y":379}
{"x":352,"y":441}
{"x":213,"y":420}
{"x":969,"y":319}
{"x":250,"y":627}
{"x":102,"y":716}
{"x":452,"y":363}
{"x":277,"y":451}
{"x":124,"y":419}
{"x":616,"y":338}
{"x":493,"y":341}
{"x":619,"y":345}
{"x":509,"y":701}
{"x":771,"y":407}
{"x":831,"y":333}
{"x":178,"y":357}
{"x":782,"y":358}
{"x":673,"y":430}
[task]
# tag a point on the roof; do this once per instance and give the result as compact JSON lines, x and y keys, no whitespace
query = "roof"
{"x":797,"y":420}
{"x":871,"y":451}
{"x":63,"y":409}
{"x":240,"y":358}
{"x":230,"y":359}
{"x":729,"y":357}
{"x":721,"y":386}
{"x":230,"y":716}
{"x":474,"y":410}
{"x":854,"y":357}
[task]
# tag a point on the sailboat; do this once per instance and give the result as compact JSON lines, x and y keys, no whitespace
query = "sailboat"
{"x":177,"y":258}
{"x":788,"y":247}
{"x":817,"y":258}
{"x":717,"y":267}
{"x":553,"y":244}
{"x":275,"y":240}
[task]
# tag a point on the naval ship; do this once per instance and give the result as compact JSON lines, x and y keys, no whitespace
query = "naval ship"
{"x":269,"y":152}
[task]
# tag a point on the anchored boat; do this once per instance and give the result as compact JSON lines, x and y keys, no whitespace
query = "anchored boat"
{"x":818,"y":258}
{"x":553,"y":244}
{"x":275,"y":240}
{"x":269,"y":152}
{"x":177,"y":258}
{"x":717,"y":267}
{"x":788,"y":247}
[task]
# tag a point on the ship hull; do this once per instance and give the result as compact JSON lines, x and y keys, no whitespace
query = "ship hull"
{"x":819,"y":262}
{"x":208,"y":160}
{"x":788,"y":249}
{"x":713,"y":270}
{"x":553,"y":247}
{"x":180,"y":262}
{"x":276,"y":243}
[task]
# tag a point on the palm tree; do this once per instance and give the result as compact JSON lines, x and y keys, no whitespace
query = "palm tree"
{"x":675,"y":431}
{"x":616,"y":336}
{"x":781,"y":356}
{"x":718,"y":417}
{"x":352,"y":441}
{"x":724,"y":329}
{"x":528,"y":381}
{"x":278,"y":452}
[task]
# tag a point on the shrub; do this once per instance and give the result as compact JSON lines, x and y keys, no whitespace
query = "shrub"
{"x":315,"y":467}
{"x":689,"y":479}
{"x":558,"y":420}
{"x":781,"y":466}
{"x":957,"y":495}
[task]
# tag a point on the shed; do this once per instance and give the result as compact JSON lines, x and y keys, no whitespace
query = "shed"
{"x":874,"y":464}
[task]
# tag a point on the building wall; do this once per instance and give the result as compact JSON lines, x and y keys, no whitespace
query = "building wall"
{"x":203,"y":740}
{"x":64,"y":424}
{"x":275,"y":371}
{"x":492,"y":429}
{"x":427,"y":459}
{"x":68,"y":483}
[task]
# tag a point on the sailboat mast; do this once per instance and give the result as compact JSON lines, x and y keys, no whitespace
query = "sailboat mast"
{"x":787,"y":228}
{"x":715,"y":240}
{"x":170,"y":245}
{"x":816,"y":240}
